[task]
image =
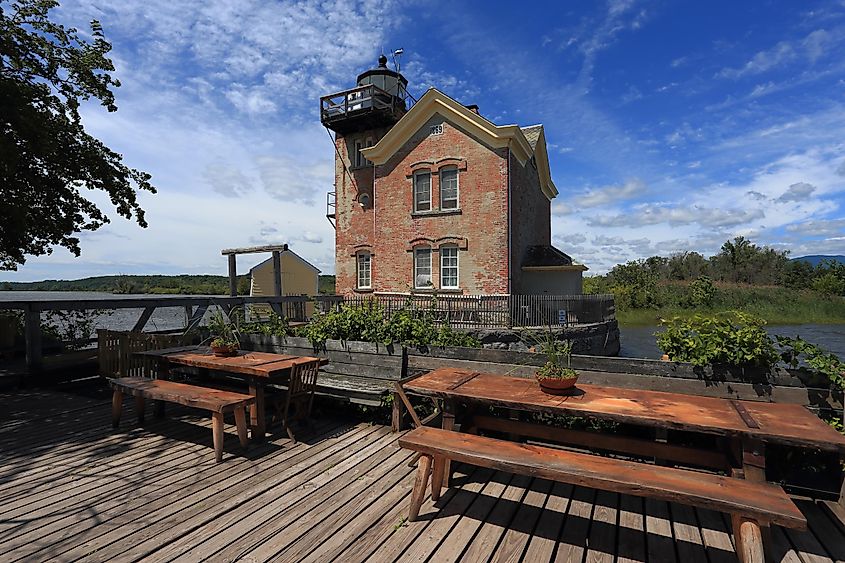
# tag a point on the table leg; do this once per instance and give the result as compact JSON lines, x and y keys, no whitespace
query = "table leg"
{"x":751,"y":539}
{"x":240,"y":423}
{"x":139,"y":409}
{"x":256,"y":412}
{"x":116,"y":407}
{"x":447,"y":424}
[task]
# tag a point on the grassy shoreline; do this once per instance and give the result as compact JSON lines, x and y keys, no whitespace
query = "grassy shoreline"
{"x":776,"y":305}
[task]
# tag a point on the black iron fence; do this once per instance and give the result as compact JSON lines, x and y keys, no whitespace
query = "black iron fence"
{"x":489,"y":311}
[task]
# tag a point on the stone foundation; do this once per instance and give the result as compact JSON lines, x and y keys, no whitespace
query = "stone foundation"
{"x":598,"y":339}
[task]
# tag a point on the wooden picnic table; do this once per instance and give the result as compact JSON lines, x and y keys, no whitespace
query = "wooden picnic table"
{"x":258,"y":368}
{"x":745,"y":427}
{"x":765,"y":422}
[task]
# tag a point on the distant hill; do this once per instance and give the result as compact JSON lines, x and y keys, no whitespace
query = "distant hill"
{"x":816,"y":259}
{"x":181,"y":284}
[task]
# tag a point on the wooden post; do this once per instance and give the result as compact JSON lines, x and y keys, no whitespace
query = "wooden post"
{"x":33,"y":339}
{"x":233,"y":275}
{"x":396,"y":419}
{"x":277,"y":273}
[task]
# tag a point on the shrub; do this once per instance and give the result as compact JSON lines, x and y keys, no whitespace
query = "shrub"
{"x":732,"y":338}
{"x":702,"y":292}
{"x":369,"y":323}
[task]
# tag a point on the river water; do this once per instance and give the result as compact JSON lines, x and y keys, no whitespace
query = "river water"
{"x":164,"y":318}
{"x":637,"y":341}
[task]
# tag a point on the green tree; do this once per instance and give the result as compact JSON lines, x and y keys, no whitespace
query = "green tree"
{"x":46,"y":157}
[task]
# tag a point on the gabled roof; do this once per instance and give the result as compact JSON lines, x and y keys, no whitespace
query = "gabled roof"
{"x":269,"y":261}
{"x":532,"y":133}
{"x":497,"y":136}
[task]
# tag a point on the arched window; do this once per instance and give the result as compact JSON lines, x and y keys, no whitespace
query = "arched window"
{"x":449,"y":267}
{"x":364,"y":270}
{"x":449,"y":187}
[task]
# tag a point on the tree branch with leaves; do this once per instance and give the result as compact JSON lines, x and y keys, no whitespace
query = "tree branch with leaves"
{"x":47,"y":159}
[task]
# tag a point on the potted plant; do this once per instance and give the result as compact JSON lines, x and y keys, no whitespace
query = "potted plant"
{"x":556,"y":375}
{"x":225,"y":334}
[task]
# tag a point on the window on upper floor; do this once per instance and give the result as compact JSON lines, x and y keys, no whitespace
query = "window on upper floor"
{"x":422,"y":191}
{"x":449,"y":267}
{"x":359,"y":160}
{"x":422,"y":268}
{"x":449,"y":188}
{"x":364,"y":270}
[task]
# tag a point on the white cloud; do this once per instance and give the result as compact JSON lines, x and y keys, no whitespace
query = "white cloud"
{"x":808,"y":50}
{"x":611,"y":194}
{"x":819,"y":227}
{"x":799,"y":191}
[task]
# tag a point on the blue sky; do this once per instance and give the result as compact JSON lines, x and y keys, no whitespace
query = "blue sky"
{"x":671,"y":126}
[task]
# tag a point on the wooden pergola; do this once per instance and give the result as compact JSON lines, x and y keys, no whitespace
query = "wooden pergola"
{"x":275,"y":249}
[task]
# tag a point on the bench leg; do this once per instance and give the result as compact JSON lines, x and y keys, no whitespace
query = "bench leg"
{"x":437,"y":478}
{"x":448,"y":423}
{"x":217,"y":429}
{"x":418,"y":494}
{"x":749,"y":540}
{"x":116,"y":407}
{"x":158,"y":409}
{"x":240,"y":422}
{"x":139,"y":409}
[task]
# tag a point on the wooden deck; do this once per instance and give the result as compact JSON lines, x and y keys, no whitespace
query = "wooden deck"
{"x":72,"y":489}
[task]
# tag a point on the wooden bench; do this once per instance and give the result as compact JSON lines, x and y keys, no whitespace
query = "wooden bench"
{"x":751,"y":503}
{"x":214,"y":400}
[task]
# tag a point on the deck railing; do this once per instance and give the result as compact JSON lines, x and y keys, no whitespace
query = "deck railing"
{"x":491,"y":311}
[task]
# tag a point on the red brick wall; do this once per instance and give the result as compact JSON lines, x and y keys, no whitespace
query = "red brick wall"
{"x":354,"y":223}
{"x":530,"y":216}
{"x":391,"y":229}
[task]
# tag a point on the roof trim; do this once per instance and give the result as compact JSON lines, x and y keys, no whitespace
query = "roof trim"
{"x":570,"y":268}
{"x":436,"y":102}
{"x":541,"y":157}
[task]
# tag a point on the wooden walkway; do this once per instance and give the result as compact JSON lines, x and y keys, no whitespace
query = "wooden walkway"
{"x":73,"y":489}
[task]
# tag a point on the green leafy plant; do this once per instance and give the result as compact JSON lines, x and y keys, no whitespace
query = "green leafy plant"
{"x":795,"y":351}
{"x":225,"y":332}
{"x":558,"y":355}
{"x":371,"y":323}
{"x":732,"y":338}
{"x":702,"y":292}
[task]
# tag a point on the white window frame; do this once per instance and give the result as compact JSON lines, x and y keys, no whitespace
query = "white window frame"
{"x":444,"y":251}
{"x":417,"y":201}
{"x":418,"y":253}
{"x":360,"y":259}
{"x":457,"y":187}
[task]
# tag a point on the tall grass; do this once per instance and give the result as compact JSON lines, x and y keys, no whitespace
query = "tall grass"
{"x":775,"y":304}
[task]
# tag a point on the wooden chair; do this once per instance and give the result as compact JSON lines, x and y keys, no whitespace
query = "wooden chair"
{"x":299,"y":395}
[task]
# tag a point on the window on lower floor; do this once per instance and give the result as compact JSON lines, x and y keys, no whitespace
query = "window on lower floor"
{"x":364,"y":270}
{"x":449,"y":267}
{"x":422,"y":268}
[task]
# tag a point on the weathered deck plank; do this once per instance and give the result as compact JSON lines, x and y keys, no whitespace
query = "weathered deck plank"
{"x":73,"y":489}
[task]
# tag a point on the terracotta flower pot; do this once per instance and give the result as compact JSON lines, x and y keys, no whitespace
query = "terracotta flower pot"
{"x":225,"y":351}
{"x":558,"y":386}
